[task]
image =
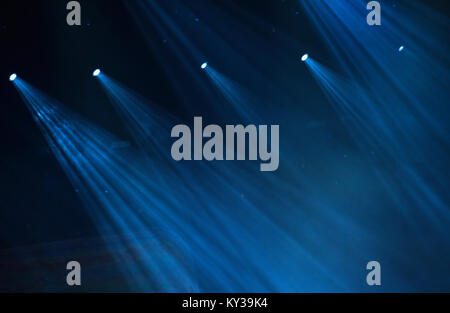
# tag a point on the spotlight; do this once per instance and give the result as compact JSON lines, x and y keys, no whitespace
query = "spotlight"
{"x":401,"y":48}
{"x":96,"y":72}
{"x":13,"y":77}
{"x":204,"y":65}
{"x":305,"y":57}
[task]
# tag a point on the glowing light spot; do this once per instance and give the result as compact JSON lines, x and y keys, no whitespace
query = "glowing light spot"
{"x":12,"y":77}
{"x":96,"y":72}
{"x":305,"y":57}
{"x":204,"y":65}
{"x":401,"y":48}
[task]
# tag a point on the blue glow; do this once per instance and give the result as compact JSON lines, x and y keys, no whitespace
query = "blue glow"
{"x":121,"y":198}
{"x":240,"y":100}
{"x":388,"y":108}
{"x":187,"y":186}
{"x":96,"y":72}
{"x":12,"y":77}
{"x":305,"y":57}
{"x":204,"y":65}
{"x":222,"y":227}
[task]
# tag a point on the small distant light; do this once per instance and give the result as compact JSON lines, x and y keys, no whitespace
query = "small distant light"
{"x":12,"y":77}
{"x":96,"y":72}
{"x":204,"y":65}
{"x":305,"y":57}
{"x":401,"y":48}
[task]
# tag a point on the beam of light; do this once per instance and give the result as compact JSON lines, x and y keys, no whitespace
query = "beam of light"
{"x":146,"y":123}
{"x":240,"y":100}
{"x":367,"y":56}
{"x":395,"y":109}
{"x":96,"y":73}
{"x":168,"y":244}
{"x":292,"y":221}
{"x":181,"y":57}
{"x":188,"y":44}
{"x":12,"y":77}
{"x":120,"y":198}
{"x":403,"y":97}
{"x":305,"y":57}
{"x":191,"y":187}
{"x":374,"y":133}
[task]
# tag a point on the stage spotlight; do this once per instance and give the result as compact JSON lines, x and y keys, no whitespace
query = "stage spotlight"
{"x":96,"y":72}
{"x":401,"y":48}
{"x":12,"y":77}
{"x":305,"y":57}
{"x":204,"y":65}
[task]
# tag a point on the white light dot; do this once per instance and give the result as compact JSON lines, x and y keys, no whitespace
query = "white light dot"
{"x":305,"y":57}
{"x":204,"y":65}
{"x":96,"y":72}
{"x":12,"y":77}
{"x":401,"y":48}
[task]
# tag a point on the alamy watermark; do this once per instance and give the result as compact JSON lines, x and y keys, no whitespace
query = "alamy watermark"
{"x":373,"y":278}
{"x":74,"y":16}
{"x":234,"y":143}
{"x":73,"y":277}
{"x":374,"y":17}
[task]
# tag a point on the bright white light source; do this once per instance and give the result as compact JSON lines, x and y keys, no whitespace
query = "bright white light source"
{"x":96,"y":72}
{"x":305,"y":57}
{"x":12,"y":77}
{"x":401,"y":48}
{"x":204,"y":65}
